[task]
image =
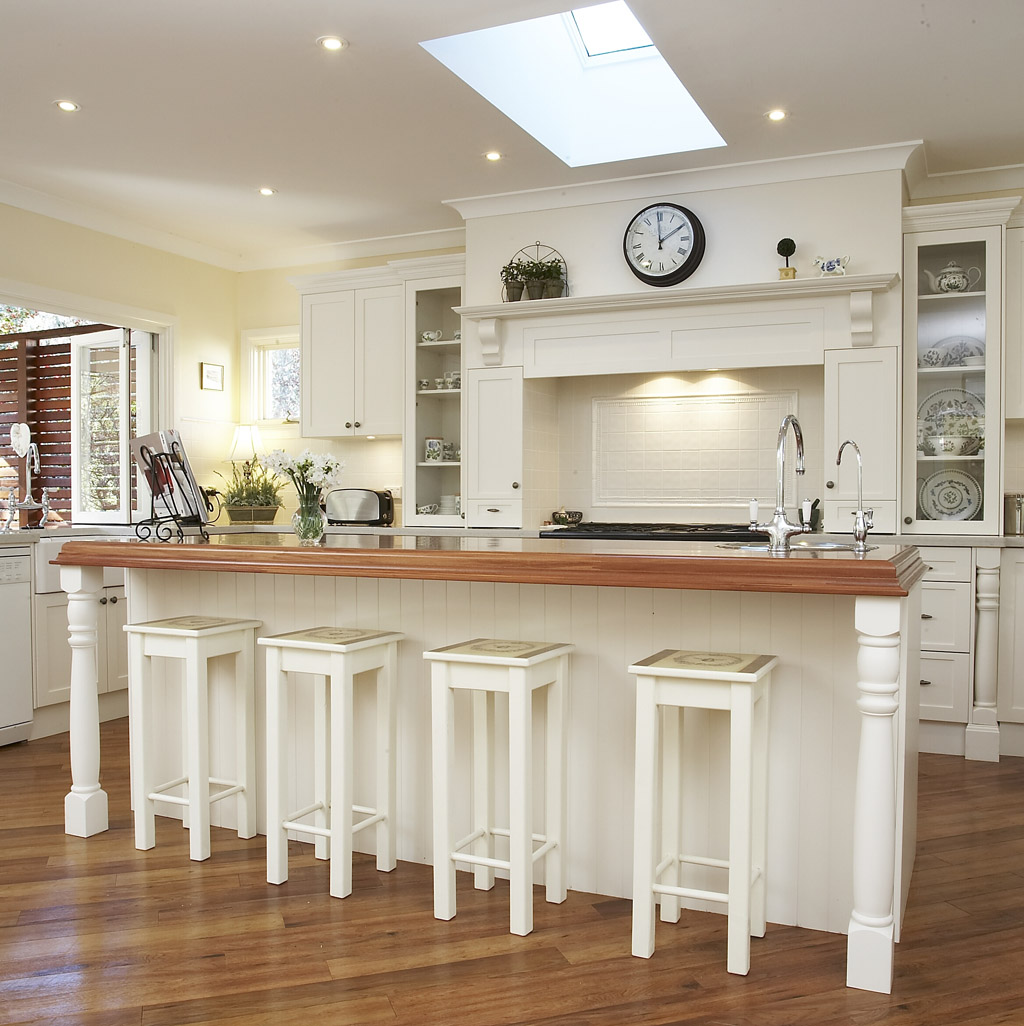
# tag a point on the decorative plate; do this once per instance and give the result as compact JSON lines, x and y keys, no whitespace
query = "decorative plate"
{"x":950,"y":495}
{"x":949,"y":400}
{"x":951,"y":352}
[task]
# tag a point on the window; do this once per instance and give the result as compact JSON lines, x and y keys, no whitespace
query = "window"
{"x":272,"y":358}
{"x":76,"y":389}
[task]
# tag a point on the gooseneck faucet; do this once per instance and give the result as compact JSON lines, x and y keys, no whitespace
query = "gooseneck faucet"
{"x":31,"y":463}
{"x":779,"y":529}
{"x":863,"y":518}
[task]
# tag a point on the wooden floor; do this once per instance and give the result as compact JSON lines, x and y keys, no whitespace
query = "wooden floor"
{"x":95,"y":933}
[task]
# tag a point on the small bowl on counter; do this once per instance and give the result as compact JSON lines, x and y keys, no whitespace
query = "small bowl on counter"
{"x":566,"y":517}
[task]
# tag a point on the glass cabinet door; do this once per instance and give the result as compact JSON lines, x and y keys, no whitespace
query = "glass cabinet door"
{"x":952,"y":353}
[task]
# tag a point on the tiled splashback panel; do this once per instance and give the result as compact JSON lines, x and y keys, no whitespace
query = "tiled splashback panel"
{"x":719,"y":462}
{"x":701,"y":450}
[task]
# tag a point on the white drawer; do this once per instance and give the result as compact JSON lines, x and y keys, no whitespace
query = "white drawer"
{"x":946,"y":564}
{"x":503,"y":513}
{"x":946,"y":615}
{"x":947,"y":693}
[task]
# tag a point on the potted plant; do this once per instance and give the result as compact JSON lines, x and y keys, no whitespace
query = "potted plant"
{"x":786,"y":248}
{"x":554,"y":279}
{"x":535,"y":276}
{"x":252,"y":494}
{"x":512,"y":279}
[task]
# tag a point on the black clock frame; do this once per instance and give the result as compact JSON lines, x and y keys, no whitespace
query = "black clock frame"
{"x":688,"y":266}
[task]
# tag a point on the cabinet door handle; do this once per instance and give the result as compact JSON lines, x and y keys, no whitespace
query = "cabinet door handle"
{"x":113,"y":600}
{"x":103,"y":601}
{"x":358,"y":424}
{"x":830,"y":484}
{"x":927,"y":616}
{"x":348,"y":423}
{"x":515,"y":484}
{"x":926,"y":683}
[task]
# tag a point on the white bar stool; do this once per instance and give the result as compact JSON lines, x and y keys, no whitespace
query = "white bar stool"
{"x":674,"y":681}
{"x":334,"y":655}
{"x":195,"y":640}
{"x":516,"y":668}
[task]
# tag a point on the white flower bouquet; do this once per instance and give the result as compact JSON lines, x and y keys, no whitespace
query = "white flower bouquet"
{"x":312,"y":473}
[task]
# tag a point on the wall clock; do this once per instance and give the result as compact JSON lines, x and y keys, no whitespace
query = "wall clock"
{"x":664,"y":244}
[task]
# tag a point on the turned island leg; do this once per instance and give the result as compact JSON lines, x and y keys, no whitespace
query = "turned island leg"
{"x":85,"y":805}
{"x":870,"y":944}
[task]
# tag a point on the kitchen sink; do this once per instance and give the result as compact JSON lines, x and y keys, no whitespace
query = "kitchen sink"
{"x":800,"y":545}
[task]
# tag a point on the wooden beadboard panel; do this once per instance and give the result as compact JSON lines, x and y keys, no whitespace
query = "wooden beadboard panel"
{"x":814,"y":721}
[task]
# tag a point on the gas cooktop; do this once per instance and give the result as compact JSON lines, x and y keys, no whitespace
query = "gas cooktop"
{"x":666,"y":532}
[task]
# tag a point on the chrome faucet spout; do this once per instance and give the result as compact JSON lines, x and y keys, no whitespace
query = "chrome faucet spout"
{"x":779,"y":529}
{"x":863,"y":518}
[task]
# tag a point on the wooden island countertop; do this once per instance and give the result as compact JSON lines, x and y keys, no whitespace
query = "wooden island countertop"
{"x":887,"y":570}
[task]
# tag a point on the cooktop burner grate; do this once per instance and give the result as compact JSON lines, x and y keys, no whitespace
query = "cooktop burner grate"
{"x":663,"y":532}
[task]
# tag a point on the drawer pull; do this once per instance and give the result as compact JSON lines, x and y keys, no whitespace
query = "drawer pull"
{"x":493,"y":510}
{"x":926,"y":683}
{"x":927,"y":616}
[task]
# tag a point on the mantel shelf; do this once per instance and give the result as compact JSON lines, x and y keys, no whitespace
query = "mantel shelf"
{"x":799,"y":287}
{"x":859,"y":288}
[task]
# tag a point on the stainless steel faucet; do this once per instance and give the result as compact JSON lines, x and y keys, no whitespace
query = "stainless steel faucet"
{"x":10,"y":511}
{"x":863,"y":518}
{"x":779,"y":529}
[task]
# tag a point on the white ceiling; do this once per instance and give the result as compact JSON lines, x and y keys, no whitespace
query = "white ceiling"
{"x":189,"y":106}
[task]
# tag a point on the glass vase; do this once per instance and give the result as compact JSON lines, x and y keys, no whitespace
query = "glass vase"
{"x":309,"y":521}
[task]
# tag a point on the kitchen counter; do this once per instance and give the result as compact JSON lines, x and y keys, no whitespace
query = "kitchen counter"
{"x":842,"y":763}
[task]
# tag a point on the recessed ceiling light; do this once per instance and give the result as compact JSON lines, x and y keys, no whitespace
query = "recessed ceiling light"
{"x":68,"y":106}
{"x":778,"y":114}
{"x":492,"y":155}
{"x":332,"y":42}
{"x":265,"y":190}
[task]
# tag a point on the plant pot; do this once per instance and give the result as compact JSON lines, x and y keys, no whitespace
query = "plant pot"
{"x":535,"y":289}
{"x":251,"y":514}
{"x":554,"y":288}
{"x":787,"y":273}
{"x":513,"y":292}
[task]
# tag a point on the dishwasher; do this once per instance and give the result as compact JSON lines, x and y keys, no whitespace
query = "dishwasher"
{"x":16,"y":647}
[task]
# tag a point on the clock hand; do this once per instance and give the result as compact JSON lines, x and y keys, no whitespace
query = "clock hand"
{"x":670,"y":234}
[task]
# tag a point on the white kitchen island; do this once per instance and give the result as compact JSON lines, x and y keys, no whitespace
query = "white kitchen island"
{"x":842,"y":762}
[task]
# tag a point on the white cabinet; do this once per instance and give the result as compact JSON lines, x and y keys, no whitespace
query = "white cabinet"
{"x":1010,"y":702}
{"x":1014,"y":362}
{"x":495,"y":463}
{"x":952,"y":427}
{"x":353,"y":366}
{"x":52,"y":654}
{"x":947,"y":620}
{"x":861,"y":402}
{"x":433,"y":434}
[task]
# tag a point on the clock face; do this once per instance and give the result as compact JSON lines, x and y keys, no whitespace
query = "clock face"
{"x":664,"y":244}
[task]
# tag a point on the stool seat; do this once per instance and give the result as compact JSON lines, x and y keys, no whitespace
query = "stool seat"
{"x":195,"y":640}
{"x":334,"y":656}
{"x":489,"y":666}
{"x":667,"y":683}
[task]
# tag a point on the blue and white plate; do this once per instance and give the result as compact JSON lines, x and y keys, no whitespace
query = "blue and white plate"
{"x":950,"y":495}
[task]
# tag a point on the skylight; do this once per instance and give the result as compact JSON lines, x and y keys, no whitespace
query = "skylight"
{"x":588,"y":84}
{"x":609,"y":28}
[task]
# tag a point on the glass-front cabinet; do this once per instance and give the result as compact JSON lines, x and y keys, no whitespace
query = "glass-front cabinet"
{"x":433,"y":441}
{"x":951,"y":378}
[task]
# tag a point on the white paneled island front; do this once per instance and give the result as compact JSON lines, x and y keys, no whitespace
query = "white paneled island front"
{"x":842,"y":759}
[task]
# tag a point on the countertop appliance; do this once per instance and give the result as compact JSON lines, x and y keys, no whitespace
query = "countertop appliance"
{"x":354,"y":506}
{"x":16,"y":635}
{"x":663,"y":532}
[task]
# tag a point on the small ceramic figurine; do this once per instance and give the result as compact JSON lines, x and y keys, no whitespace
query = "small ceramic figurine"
{"x":831,"y":265}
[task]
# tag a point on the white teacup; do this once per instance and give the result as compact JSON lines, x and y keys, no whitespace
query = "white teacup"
{"x":429,"y":508}
{"x":430,"y":336}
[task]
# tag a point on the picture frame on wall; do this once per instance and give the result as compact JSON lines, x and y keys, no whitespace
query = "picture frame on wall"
{"x":211,"y":376}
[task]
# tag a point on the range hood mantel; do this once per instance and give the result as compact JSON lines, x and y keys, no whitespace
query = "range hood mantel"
{"x":557,"y":314}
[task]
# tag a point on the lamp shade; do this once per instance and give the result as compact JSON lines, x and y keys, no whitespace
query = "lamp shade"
{"x":245,"y":444}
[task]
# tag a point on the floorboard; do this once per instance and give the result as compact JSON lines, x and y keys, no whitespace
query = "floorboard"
{"x":95,"y":933}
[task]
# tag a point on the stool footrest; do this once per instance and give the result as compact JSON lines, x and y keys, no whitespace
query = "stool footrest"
{"x":305,"y":828}
{"x":480,"y":860}
{"x":701,"y":860}
{"x":233,"y":789}
{"x":377,"y":817}
{"x":690,"y":892}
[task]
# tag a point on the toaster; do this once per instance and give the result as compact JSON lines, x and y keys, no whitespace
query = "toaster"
{"x":350,"y":506}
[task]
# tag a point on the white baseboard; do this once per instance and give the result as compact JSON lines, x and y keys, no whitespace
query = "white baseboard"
{"x":56,"y":719}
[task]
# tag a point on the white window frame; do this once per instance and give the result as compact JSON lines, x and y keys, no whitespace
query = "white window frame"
{"x":125,"y":338}
{"x":255,"y":342}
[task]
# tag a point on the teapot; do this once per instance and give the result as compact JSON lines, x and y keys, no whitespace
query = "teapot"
{"x":953,"y":278}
